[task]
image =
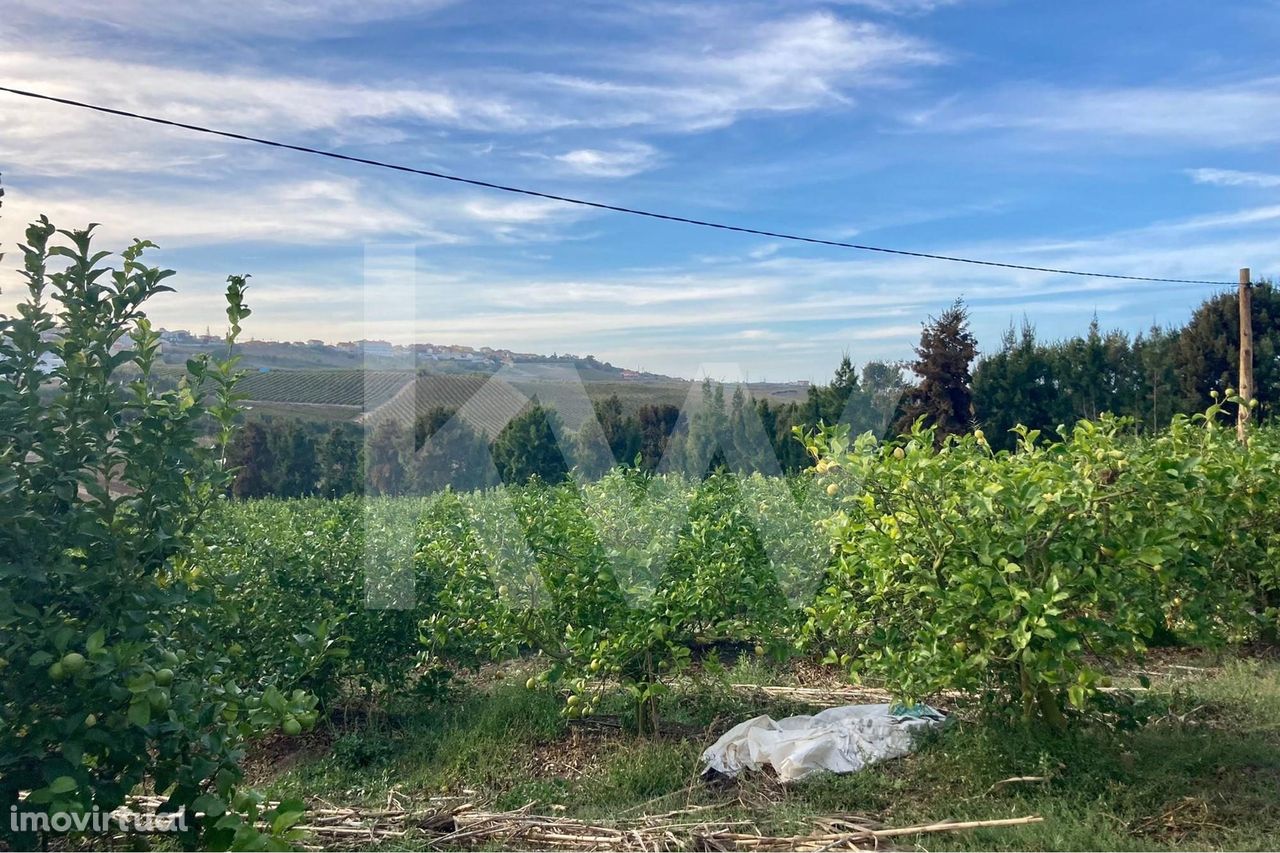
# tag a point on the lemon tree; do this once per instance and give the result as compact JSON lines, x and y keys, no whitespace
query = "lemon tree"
{"x":106,"y":680}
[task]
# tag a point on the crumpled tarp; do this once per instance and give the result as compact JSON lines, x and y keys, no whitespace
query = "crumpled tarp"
{"x":842,"y":740}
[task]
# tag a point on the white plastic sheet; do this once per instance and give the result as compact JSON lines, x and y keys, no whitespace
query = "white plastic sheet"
{"x":842,"y":740}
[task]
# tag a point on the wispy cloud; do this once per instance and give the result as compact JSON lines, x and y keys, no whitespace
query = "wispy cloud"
{"x":55,"y":140}
{"x":767,"y":66}
{"x":1200,"y":115}
{"x":797,"y":63}
{"x":900,"y":7}
{"x":291,"y":213}
{"x":1233,"y":178}
{"x":281,"y":18}
{"x":620,"y":161}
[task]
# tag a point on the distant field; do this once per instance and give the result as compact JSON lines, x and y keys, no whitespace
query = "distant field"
{"x":374,"y":395}
{"x":366,"y":389}
{"x":317,"y":412}
{"x":488,"y":412}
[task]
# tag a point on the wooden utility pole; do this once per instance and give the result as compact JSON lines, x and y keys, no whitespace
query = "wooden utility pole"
{"x":1246,"y":355}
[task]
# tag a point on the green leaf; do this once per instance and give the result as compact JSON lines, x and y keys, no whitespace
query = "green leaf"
{"x":209,"y":804}
{"x":285,"y":819}
{"x":140,"y":710}
{"x":62,"y":785}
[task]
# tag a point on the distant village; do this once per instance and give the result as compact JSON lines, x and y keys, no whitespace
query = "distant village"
{"x":366,"y":348}
{"x":179,"y":344}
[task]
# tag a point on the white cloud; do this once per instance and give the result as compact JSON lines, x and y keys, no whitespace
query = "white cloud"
{"x":288,"y":212}
{"x":298,"y":212}
{"x":519,"y":211}
{"x":1233,"y":178}
{"x":909,"y":331}
{"x":1245,"y":114}
{"x":287,"y":18}
{"x":714,"y":75}
{"x":900,"y":7}
{"x":797,"y":63}
{"x":43,"y":138}
{"x":621,"y":161}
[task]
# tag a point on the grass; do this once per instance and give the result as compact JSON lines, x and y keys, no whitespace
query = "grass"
{"x":1201,"y":771}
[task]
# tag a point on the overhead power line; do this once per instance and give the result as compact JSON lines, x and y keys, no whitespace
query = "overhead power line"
{"x":666,"y":217}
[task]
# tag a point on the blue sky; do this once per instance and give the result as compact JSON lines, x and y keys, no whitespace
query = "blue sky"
{"x":1134,"y":137}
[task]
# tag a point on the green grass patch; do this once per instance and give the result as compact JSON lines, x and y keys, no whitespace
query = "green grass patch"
{"x":1200,"y":769}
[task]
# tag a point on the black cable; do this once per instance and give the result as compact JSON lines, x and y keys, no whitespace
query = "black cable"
{"x":594,"y":204}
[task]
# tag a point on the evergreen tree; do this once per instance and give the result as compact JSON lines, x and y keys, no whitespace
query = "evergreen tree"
{"x":703,"y":448}
{"x":448,"y":453}
{"x":943,"y":395}
{"x":1208,"y":349}
{"x":621,"y":432}
{"x":1158,"y":399}
{"x":882,"y":386}
{"x":527,"y":447}
{"x":1017,"y":385}
{"x":657,"y":424}
{"x":252,"y":456}
{"x":829,"y":403}
{"x":340,"y":468}
{"x":296,"y":459}
{"x":386,"y":457}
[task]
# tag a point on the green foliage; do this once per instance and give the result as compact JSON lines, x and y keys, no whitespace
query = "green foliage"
{"x":1043,"y":385}
{"x":292,"y":579}
{"x":1208,"y":348}
{"x":943,"y":357}
{"x":106,"y":681}
{"x":527,"y":448}
{"x":1018,"y":572}
{"x":638,"y":615}
{"x":341,"y":470}
{"x":629,"y":578}
{"x":448,"y":454}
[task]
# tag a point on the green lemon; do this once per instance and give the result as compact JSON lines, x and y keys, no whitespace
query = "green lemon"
{"x":291,"y":726}
{"x":164,"y":677}
{"x":159,"y":700}
{"x":72,"y":662}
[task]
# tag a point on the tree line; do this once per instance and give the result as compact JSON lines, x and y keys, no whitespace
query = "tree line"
{"x":1147,"y":377}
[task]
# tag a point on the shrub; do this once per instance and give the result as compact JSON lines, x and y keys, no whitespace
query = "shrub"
{"x":1019,"y":572}
{"x":105,"y":678}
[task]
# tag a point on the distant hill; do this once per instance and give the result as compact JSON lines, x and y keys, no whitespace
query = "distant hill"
{"x":370,"y":396}
{"x":382,"y":356}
